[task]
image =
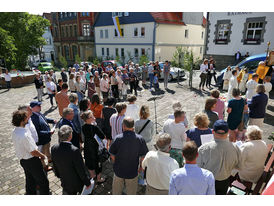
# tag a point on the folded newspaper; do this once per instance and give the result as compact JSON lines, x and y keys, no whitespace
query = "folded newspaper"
{"x":86,"y":191}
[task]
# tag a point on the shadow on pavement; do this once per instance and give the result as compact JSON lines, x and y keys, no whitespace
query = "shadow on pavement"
{"x":270,"y":108}
{"x":200,"y":92}
{"x":170,"y":91}
{"x":269,"y":119}
{"x":50,"y":110}
{"x":4,"y":91}
{"x":159,"y":92}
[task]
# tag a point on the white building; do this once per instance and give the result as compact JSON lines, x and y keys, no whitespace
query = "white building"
{"x":156,"y":34}
{"x":229,"y":32}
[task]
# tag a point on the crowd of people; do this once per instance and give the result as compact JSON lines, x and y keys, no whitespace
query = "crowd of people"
{"x":94,"y":120}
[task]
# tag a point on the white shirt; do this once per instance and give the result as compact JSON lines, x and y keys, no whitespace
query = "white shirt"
{"x":7,"y":77}
{"x":31,"y":128}
{"x":82,"y":85}
{"x":203,"y":68}
{"x":159,"y":168}
{"x":132,"y":111}
{"x":268,"y":88}
{"x":177,"y":133}
{"x":253,"y":155}
{"x":227,"y":75}
{"x":104,"y":85}
{"x":50,"y":85}
{"x":23,"y":143}
{"x":251,"y":89}
{"x":233,"y":83}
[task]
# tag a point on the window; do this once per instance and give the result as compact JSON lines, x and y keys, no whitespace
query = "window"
{"x":115,"y":33}
{"x":75,"y":30}
{"x":74,"y":51}
{"x":202,"y":35}
{"x":126,"y":13}
{"x":254,"y":31}
{"x":56,"y":31}
{"x":186,"y":33}
{"x":61,"y":15}
{"x":101,"y":34}
{"x":120,"y":14}
{"x":143,"y":31}
{"x":69,"y":13}
{"x":116,"y":51}
{"x":103,"y":52}
{"x":122,"y":31}
{"x":67,"y":30}
{"x":223,"y":30}
{"x":70,"y":30}
{"x":106,"y":33}
{"x":86,"y":30}
{"x":201,"y":50}
{"x":122,"y":52}
{"x":83,"y":14}
{"x":87,"y":13}
{"x":135,"y":32}
{"x":65,"y":14}
{"x":143,"y":51}
{"x":62,"y":31}
{"x":114,"y":14}
{"x":107,"y":51}
{"x":66,"y":48}
{"x":136,"y":53}
{"x":74,"y":13}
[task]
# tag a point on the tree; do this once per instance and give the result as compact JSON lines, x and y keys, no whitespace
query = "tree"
{"x":143,"y":59}
{"x":7,"y":48}
{"x":63,"y":61}
{"x":78,"y":59}
{"x":27,"y":31}
{"x":117,"y":58}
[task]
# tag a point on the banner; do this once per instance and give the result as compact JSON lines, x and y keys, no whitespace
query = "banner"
{"x":117,"y":25}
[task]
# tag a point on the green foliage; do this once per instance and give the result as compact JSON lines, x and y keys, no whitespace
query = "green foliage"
{"x":177,"y":59}
{"x":143,"y":59}
{"x":271,"y":137}
{"x":118,"y":59}
{"x":63,"y":61}
{"x":21,"y":35}
{"x":97,"y":60}
{"x":78,"y":59}
{"x":52,"y":63}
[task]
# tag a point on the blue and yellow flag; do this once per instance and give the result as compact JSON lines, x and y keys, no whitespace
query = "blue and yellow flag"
{"x":117,"y":25}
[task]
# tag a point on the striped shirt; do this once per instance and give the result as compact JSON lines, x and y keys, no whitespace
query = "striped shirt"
{"x":116,"y":122}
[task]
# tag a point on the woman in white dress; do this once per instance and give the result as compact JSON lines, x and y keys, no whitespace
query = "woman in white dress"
{"x":226,"y":78}
{"x":251,"y":87}
{"x":244,"y":78}
{"x":233,"y":83}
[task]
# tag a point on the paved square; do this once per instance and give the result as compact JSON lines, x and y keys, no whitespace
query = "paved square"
{"x":12,"y":178}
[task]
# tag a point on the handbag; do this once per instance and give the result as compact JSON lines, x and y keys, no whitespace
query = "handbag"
{"x":143,"y":127}
{"x":103,"y":153}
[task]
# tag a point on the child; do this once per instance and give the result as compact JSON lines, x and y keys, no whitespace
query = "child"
{"x":155,"y":81}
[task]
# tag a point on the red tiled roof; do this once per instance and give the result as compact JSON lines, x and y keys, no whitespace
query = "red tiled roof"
{"x":168,"y":17}
{"x":204,"y":22}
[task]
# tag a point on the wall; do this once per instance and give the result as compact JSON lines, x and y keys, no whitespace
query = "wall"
{"x":236,"y":35}
{"x":168,"y":37}
{"x":193,"y":18}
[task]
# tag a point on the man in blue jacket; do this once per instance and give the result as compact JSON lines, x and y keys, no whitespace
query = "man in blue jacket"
{"x":44,"y":132}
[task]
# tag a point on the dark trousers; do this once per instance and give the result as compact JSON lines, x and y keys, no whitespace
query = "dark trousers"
{"x":221,"y":186}
{"x":8,"y":84}
{"x":115,"y":91}
{"x":203,"y":79}
{"x":35,"y":175}
{"x":132,"y":86}
{"x":51,"y":98}
{"x":208,"y":80}
{"x":151,"y":76}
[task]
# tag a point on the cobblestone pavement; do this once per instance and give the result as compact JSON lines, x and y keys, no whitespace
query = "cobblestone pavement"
{"x":12,"y":178}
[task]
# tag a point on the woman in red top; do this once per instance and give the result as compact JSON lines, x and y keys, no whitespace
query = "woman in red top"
{"x":96,"y":107}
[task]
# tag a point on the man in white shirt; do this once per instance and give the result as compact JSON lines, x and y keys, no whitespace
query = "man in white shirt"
{"x":177,"y":132}
{"x":132,"y":108}
{"x":251,"y":87}
{"x":233,"y":83}
{"x":7,"y":77}
{"x":159,"y":166}
{"x":267,"y":85}
{"x":28,"y":154}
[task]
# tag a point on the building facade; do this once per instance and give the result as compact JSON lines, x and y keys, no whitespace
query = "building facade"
{"x":229,"y":32}
{"x":48,"y":52}
{"x":155,"y":34}
{"x":73,"y":35}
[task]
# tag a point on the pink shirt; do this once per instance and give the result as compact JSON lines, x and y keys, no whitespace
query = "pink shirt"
{"x":220,"y":106}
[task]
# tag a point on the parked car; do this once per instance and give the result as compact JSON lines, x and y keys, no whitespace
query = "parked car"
{"x":250,"y":62}
{"x":83,"y":63}
{"x":107,"y":62}
{"x":45,"y":66}
{"x":173,"y":74}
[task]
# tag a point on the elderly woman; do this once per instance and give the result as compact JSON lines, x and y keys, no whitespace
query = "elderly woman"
{"x":236,"y":107}
{"x":253,"y":153}
{"x":104,"y":86}
{"x":71,"y":83}
{"x":210,"y":105}
{"x":201,"y":122}
{"x":257,"y":106}
{"x":78,"y":86}
{"x":145,"y":126}
{"x":91,"y":145}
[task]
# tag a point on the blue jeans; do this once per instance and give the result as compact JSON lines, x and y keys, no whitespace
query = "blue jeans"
{"x":151,"y":76}
{"x":80,"y":96}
